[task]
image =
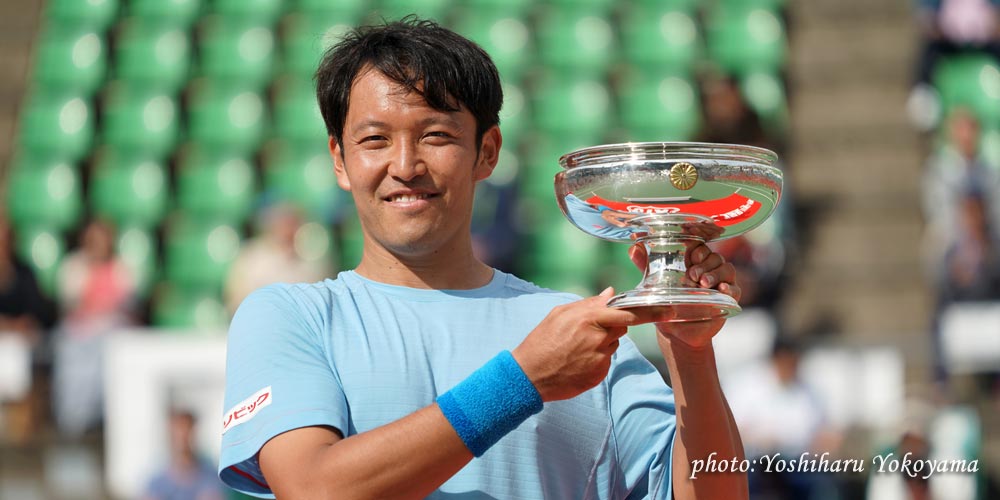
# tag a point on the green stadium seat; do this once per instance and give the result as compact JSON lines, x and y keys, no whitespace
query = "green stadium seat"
{"x":237,"y":51}
{"x":745,"y":40}
{"x":57,"y":124}
{"x":42,"y":249}
{"x":506,"y":38}
{"x":579,"y":41}
{"x":342,"y":11}
{"x":188,"y":310}
{"x":307,"y":36}
{"x":296,"y":113}
{"x":990,"y":145}
{"x":216,"y":186}
{"x":179,"y":13}
{"x":515,"y":116}
{"x":140,"y":119}
{"x":566,"y":5}
{"x":153,"y":54}
{"x":351,"y":241}
{"x":304,"y":177}
{"x":971,"y":81}
{"x":129,"y":190}
{"x":772,"y":5}
{"x":224,"y":116}
{"x":96,"y":14}
{"x":682,"y":5}
{"x":561,"y":250}
{"x":258,"y":11}
{"x":137,"y":249}
{"x":660,"y":109}
{"x":537,"y":177}
{"x":516,"y":8}
{"x":198,"y":254}
{"x":577,"y":108}
{"x":44,"y":193}
{"x":765,"y":94}
{"x":426,"y":9}
{"x":619,"y":271}
{"x":72,"y":60}
{"x":661,"y":40}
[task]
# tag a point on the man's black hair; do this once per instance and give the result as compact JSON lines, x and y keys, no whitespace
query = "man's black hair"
{"x":447,"y":69}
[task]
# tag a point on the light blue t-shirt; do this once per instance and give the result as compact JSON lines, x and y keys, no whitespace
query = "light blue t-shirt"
{"x":355,"y":354}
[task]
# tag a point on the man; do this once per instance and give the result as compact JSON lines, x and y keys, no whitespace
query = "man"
{"x":424,"y":372}
{"x":186,"y":476}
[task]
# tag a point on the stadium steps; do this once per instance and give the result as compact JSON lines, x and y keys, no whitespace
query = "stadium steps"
{"x":855,"y":165}
{"x":18,"y":26}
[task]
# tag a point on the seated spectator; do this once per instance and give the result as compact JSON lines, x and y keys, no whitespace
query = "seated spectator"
{"x":961,"y":198}
{"x":272,"y":257}
{"x":777,"y":412}
{"x":97,"y":295}
{"x":729,"y":119}
{"x":25,"y":313}
{"x":759,"y":260}
{"x":187,"y":476}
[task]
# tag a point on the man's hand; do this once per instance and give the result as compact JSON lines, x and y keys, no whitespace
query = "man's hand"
{"x":570,"y":350}
{"x":705,"y":269}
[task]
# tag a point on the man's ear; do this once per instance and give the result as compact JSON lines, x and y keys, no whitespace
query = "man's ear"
{"x":337,"y":153}
{"x":489,"y":153}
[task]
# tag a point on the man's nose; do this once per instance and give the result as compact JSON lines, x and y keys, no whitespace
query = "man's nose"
{"x":407,"y":163}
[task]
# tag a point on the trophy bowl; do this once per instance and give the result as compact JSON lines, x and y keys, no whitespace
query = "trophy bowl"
{"x":669,"y":196}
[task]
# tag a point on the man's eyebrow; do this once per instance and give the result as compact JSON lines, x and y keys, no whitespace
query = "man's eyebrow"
{"x":369,"y":124}
{"x":441,"y":119}
{"x":438,"y":119}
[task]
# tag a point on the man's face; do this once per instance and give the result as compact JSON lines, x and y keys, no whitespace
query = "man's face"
{"x":410,"y":168}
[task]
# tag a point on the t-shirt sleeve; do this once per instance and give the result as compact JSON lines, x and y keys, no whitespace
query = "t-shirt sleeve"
{"x":278,"y":378}
{"x":644,"y":423}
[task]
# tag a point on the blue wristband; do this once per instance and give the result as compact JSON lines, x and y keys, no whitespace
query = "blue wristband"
{"x":491,"y":402}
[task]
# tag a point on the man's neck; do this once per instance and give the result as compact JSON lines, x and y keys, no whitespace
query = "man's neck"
{"x":439,"y":271}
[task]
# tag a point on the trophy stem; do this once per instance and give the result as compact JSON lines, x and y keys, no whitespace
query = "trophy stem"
{"x":663,"y":284}
{"x":666,"y":267}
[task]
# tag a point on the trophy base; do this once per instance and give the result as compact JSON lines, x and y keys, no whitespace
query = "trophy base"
{"x":679,"y":305}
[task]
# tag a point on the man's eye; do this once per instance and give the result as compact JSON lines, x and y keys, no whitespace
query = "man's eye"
{"x":373,"y":138}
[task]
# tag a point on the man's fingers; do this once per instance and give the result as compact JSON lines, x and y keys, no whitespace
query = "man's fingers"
{"x":707,"y":264}
{"x":696,"y":253}
{"x":725,"y":273}
{"x":732,"y":290}
{"x":632,"y":316}
{"x":611,"y":347}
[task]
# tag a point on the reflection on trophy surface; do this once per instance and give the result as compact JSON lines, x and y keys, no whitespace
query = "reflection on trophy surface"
{"x":668,"y":196}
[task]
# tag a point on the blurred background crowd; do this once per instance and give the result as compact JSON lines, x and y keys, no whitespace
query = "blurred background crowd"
{"x":160,"y":159}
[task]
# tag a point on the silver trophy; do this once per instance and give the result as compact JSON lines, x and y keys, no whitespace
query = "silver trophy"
{"x":668,"y":196}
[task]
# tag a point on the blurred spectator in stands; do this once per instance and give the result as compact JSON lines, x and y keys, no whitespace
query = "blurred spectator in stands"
{"x":777,"y":412}
{"x":729,"y":119}
{"x":187,"y":476}
{"x":971,"y":269}
{"x":96,"y":292}
{"x":758,"y":267}
{"x":24,"y":310}
{"x":27,"y":314}
{"x":759,"y":258}
{"x":956,"y":171}
{"x":948,"y":28}
{"x":494,"y":235}
{"x":272,"y":257}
